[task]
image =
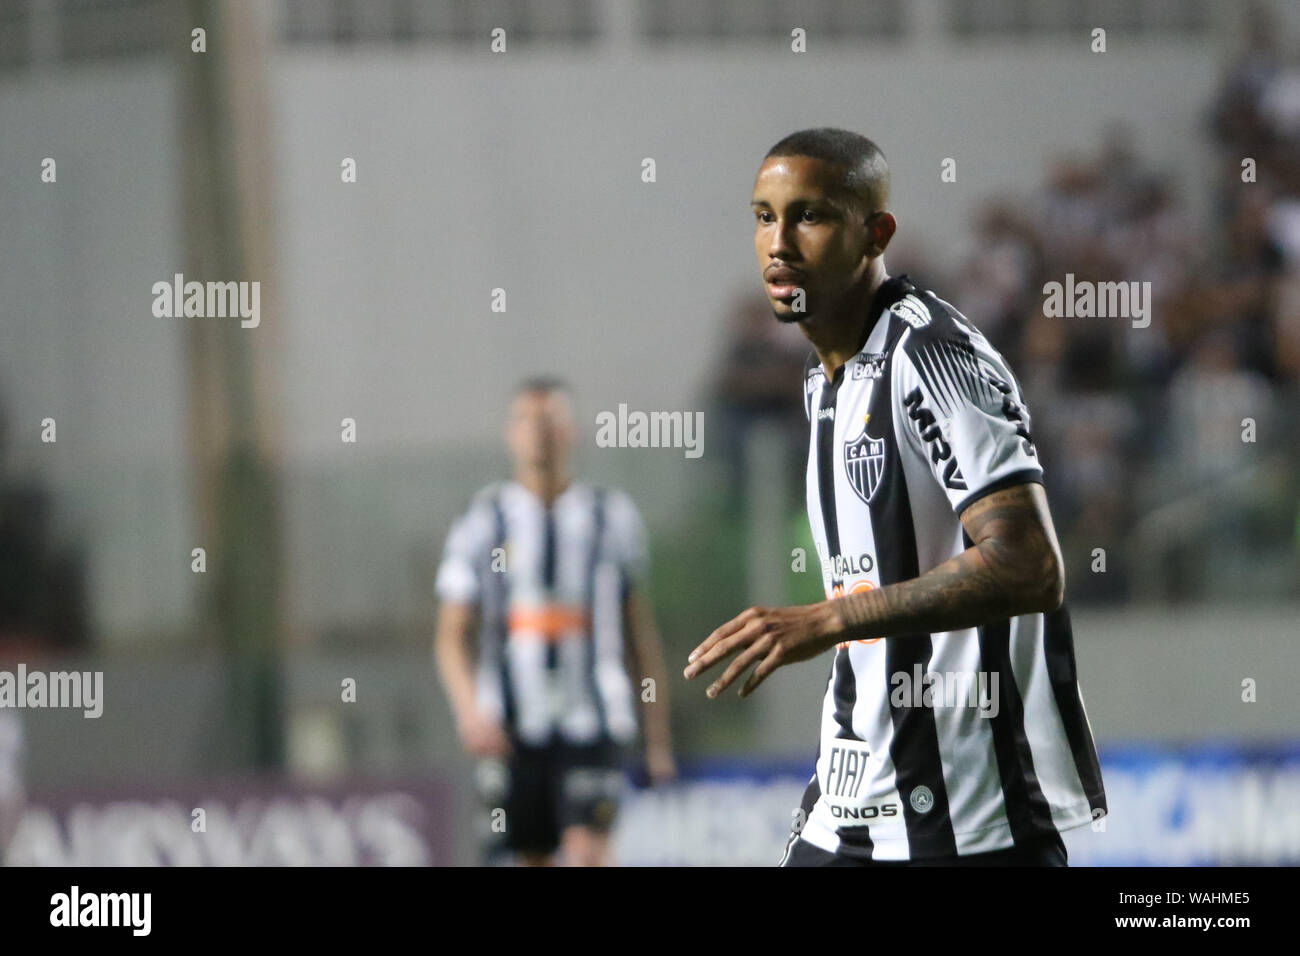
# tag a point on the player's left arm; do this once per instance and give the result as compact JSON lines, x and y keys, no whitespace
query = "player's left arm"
{"x":1012,"y":567}
{"x":645,"y":659}
{"x":643,"y":649}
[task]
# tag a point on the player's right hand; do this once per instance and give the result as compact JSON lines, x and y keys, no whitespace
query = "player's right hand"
{"x":483,"y":736}
{"x":660,"y":765}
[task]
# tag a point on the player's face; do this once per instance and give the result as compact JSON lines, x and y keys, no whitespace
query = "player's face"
{"x":806,"y":236}
{"x":540,"y":431}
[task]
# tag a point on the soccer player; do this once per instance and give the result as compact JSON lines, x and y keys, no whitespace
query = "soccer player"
{"x":953,"y":729}
{"x":550,"y":573}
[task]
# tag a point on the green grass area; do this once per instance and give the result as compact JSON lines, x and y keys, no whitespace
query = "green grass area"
{"x":698,"y":581}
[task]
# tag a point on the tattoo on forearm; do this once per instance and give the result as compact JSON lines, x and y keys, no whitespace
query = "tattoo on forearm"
{"x":1008,"y":570}
{"x":959,"y":593}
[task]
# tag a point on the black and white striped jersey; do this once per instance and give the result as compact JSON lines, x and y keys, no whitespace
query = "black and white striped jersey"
{"x":953,"y":743}
{"x":549,"y":584}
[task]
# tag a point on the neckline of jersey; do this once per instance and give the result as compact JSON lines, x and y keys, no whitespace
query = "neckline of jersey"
{"x":523,"y":489}
{"x":889,"y":292}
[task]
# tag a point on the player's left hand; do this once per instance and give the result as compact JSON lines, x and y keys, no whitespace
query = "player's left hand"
{"x":772,"y":636}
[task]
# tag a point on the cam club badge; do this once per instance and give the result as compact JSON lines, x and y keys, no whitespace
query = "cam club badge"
{"x":864,"y":462}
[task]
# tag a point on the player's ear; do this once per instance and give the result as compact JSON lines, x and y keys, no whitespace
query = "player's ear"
{"x":880,"y":229}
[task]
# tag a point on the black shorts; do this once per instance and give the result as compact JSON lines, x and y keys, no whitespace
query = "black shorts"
{"x":1042,"y":851}
{"x":548,"y":789}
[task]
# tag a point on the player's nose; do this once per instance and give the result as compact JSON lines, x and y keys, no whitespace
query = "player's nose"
{"x":780,"y":244}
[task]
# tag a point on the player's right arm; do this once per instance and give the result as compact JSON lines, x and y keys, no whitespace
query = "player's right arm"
{"x":459,"y":586}
{"x":481,"y":735}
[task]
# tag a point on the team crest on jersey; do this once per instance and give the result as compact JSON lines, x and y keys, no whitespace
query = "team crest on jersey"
{"x":912,"y":311}
{"x":864,"y":462}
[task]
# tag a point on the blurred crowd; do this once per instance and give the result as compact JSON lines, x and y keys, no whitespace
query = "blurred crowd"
{"x":1170,"y":450}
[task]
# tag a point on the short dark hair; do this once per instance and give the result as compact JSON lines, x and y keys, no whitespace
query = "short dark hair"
{"x":865,"y":174}
{"x":544,"y":384}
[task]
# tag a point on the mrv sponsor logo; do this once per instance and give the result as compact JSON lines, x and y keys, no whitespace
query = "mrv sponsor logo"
{"x":931,"y":433}
{"x":102,"y":909}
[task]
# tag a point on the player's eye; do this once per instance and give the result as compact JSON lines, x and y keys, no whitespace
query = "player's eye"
{"x":760,"y":214}
{"x":810,"y":215}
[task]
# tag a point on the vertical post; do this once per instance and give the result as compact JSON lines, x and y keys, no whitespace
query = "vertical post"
{"x":225,"y":150}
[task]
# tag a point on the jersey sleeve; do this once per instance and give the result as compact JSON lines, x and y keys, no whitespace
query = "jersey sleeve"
{"x":465,"y":556}
{"x":959,"y":407}
{"x":627,"y":538}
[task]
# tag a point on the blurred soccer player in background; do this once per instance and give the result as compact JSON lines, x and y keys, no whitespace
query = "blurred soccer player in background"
{"x":550,"y":574}
{"x":953,"y":730}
